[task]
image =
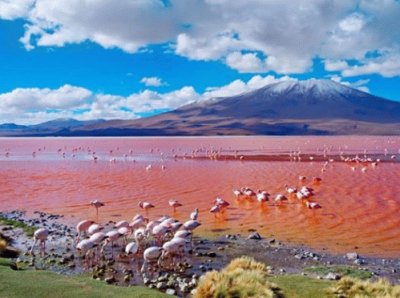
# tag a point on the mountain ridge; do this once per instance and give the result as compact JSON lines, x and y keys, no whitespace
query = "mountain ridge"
{"x":290,"y":107}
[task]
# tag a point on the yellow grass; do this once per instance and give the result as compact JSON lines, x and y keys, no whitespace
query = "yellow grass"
{"x":354,"y":288}
{"x":243,"y":277}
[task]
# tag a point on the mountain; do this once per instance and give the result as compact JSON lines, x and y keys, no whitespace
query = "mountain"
{"x":311,"y":107}
{"x":50,"y":128}
{"x":321,"y":107}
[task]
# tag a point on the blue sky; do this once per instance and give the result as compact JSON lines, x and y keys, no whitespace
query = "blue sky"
{"x":92,"y":59}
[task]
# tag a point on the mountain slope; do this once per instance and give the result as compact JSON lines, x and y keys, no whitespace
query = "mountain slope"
{"x":288,"y":107}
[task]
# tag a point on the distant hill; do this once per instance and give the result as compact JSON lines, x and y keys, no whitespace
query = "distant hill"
{"x":49,"y":128}
{"x":311,"y":107}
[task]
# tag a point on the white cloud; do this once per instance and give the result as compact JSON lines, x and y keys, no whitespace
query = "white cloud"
{"x":13,"y":9}
{"x":289,"y":34}
{"x":35,"y":105}
{"x":386,"y":65}
{"x":245,"y":62}
{"x":335,"y":65}
{"x":152,"y":82}
{"x":360,"y":84}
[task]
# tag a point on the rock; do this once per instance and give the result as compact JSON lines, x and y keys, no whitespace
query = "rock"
{"x":146,"y":281}
{"x":332,"y":276}
{"x":272,"y":241}
{"x":254,"y":236}
{"x":299,"y":257}
{"x":352,"y":256}
{"x":170,"y":292}
{"x":212,"y":254}
{"x":127,"y":278}
{"x":9,"y":252}
{"x":109,"y":279}
{"x":359,"y":262}
{"x":160,"y":285}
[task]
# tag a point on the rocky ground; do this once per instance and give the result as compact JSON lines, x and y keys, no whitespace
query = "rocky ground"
{"x":205,"y":255}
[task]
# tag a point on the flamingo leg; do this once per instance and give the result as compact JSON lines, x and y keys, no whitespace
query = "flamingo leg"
{"x":33,"y":245}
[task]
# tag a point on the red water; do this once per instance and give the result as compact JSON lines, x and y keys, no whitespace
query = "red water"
{"x":359,"y":209}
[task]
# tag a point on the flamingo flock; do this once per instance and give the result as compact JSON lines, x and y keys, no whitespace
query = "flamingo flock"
{"x":149,"y":245}
{"x":304,"y":194}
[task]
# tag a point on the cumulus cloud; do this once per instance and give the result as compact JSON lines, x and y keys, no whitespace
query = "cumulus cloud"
{"x":35,"y":105}
{"x":287,"y":34}
{"x":13,"y":9}
{"x":152,"y":82}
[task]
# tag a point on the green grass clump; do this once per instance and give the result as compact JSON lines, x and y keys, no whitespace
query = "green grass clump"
{"x":44,"y":284}
{"x":297,"y":286}
{"x":29,"y":230}
{"x":353,"y":288}
{"x":243,"y":277}
{"x":341,"y":270}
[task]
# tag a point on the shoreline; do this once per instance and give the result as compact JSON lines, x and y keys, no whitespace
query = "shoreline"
{"x":208,"y":254}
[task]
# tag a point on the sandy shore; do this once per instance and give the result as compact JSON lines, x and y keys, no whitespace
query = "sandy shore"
{"x":206,"y":255}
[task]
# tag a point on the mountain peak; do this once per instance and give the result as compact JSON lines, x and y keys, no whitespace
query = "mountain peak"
{"x":310,"y":86}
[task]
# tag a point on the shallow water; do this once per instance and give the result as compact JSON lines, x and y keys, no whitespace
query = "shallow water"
{"x":359,"y":209}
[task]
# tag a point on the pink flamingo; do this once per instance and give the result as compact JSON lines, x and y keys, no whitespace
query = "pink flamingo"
{"x":97,"y":204}
{"x":215,"y":210}
{"x":41,"y":236}
{"x":174,"y":204}
{"x":313,"y":205}
{"x":146,"y":206}
{"x":82,"y":227}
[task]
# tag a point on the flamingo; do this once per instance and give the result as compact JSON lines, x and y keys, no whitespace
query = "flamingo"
{"x":215,"y":209}
{"x":150,"y":257}
{"x":112,"y":237}
{"x":313,"y":205}
{"x":290,"y":190}
{"x":279,"y":198}
{"x":262,"y":196}
{"x":98,"y":238}
{"x":159,"y":232}
{"x":173,"y":248}
{"x":237,"y":193}
{"x":174,"y":204}
{"x":184,"y":234}
{"x":86,"y":246}
{"x":195,"y":214}
{"x":191,"y":225}
{"x":138,"y":223}
{"x":221,"y":202}
{"x":122,"y":224}
{"x":82,"y":227}
{"x":94,"y":228}
{"x":97,"y":204}
{"x":131,"y":249}
{"x":41,"y":236}
{"x":248,"y":192}
{"x":317,"y":180}
{"x":146,"y":206}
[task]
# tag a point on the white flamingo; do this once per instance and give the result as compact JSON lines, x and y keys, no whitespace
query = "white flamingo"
{"x":40,"y":235}
{"x":195,"y":214}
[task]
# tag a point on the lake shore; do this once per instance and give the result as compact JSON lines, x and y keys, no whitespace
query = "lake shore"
{"x":207,"y":254}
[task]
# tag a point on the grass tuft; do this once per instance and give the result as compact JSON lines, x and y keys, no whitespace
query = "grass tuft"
{"x":341,"y":270}
{"x":29,"y":230}
{"x":243,"y":277}
{"x":352,"y":288}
